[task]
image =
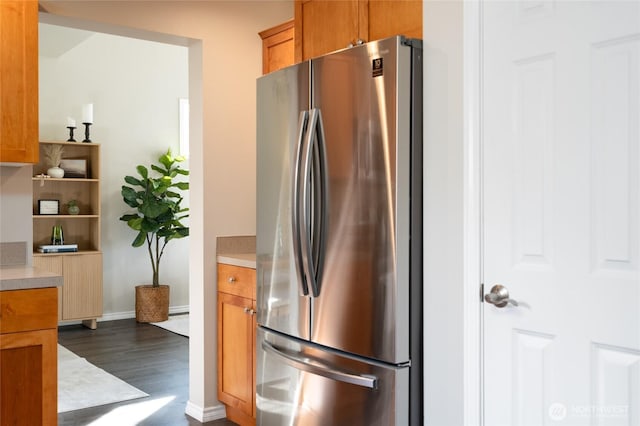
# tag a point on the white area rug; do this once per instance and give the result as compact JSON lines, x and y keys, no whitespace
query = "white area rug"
{"x":178,"y":324}
{"x":82,"y":384}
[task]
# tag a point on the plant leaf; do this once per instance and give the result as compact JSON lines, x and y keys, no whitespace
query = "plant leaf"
{"x":135,"y":222}
{"x":130,"y":196}
{"x":133,"y":181}
{"x":158,"y":169}
{"x":140,"y":239}
{"x":142,"y":170}
{"x":128,"y":217}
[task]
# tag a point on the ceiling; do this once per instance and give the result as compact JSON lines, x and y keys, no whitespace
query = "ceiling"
{"x":54,"y":40}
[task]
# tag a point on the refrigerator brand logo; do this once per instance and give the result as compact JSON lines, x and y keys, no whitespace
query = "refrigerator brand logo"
{"x":376,"y":70}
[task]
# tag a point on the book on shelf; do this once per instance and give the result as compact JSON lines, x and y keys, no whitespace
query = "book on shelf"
{"x":57,"y":248}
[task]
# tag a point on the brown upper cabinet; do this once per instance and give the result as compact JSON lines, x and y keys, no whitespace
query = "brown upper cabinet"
{"x":19,"y":81}
{"x":277,"y":47}
{"x":322,"y":26}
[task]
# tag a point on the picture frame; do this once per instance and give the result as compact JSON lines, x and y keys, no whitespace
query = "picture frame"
{"x":48,"y":207}
{"x":74,"y":167}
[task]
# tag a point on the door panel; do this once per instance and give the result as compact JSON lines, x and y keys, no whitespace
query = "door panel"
{"x":389,"y":18}
{"x":313,"y":19}
{"x":365,"y":278}
{"x":235,"y":349}
{"x":19,"y":82}
{"x":561,"y":217}
{"x":291,"y":396}
{"x":281,"y":96}
{"x":82,"y":289}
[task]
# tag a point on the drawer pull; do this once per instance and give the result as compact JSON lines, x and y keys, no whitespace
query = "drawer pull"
{"x":249,"y":311}
{"x":232,"y":279}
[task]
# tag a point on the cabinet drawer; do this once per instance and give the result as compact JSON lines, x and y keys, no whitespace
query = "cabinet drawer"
{"x":25,"y":310}
{"x":237,"y":280}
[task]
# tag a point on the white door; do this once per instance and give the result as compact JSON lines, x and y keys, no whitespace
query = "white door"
{"x":561,"y":211}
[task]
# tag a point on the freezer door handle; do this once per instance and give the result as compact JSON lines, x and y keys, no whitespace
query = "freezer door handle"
{"x":313,"y":366}
{"x":295,"y":202}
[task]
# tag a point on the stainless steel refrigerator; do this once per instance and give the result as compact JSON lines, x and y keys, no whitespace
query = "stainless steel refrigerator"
{"x":339,"y":239}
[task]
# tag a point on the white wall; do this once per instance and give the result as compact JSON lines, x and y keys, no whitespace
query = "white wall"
{"x":225,"y":58}
{"x":16,"y":203}
{"x":444,"y":261}
{"x":134,"y":86}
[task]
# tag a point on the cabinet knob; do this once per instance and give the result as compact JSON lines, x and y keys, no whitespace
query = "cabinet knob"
{"x":231,"y":279}
{"x":249,"y":311}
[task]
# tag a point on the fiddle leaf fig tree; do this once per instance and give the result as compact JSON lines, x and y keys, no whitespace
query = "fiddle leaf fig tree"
{"x":156,"y":198}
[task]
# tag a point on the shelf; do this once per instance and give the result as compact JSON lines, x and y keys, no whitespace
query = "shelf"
{"x":67,"y":253}
{"x":77,"y":143}
{"x":50,"y":179}
{"x":81,"y":295}
{"x":66,"y":216}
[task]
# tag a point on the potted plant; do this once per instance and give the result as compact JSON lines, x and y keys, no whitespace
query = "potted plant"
{"x":72,"y":207}
{"x":157,"y":220}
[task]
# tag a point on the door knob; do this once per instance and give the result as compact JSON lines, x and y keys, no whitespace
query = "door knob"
{"x":499,"y":296}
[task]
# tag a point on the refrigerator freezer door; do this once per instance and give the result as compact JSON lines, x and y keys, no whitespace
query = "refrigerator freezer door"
{"x":281,"y":97}
{"x":364,"y":97}
{"x":304,"y":384}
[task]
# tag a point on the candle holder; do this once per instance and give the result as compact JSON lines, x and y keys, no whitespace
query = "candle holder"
{"x":86,"y":132}
{"x":71,"y":129}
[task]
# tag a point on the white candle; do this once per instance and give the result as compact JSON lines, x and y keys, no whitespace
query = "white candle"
{"x":71,"y":122}
{"x":87,"y":113}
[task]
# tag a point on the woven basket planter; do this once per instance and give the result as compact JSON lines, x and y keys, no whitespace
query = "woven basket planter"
{"x":152,"y":303}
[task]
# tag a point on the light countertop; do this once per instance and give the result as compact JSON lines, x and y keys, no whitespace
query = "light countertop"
{"x":245,"y":260}
{"x":25,"y":277}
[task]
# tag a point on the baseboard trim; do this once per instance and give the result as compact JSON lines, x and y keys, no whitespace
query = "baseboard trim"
{"x":207,"y":414}
{"x":113,"y":316}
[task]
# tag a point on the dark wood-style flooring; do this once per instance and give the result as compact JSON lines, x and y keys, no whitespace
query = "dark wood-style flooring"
{"x":150,"y":358}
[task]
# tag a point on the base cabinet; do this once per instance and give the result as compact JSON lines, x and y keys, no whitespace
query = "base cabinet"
{"x":28,"y":357}
{"x":81,"y":295}
{"x":236,"y":342}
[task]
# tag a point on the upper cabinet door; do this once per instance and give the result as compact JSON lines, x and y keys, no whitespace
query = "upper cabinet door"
{"x":277,"y":47}
{"x":19,"y":81}
{"x":323,"y":26}
{"x":389,"y":18}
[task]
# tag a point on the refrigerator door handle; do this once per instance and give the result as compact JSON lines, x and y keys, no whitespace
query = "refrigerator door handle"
{"x":305,"y":204}
{"x":304,"y":363}
{"x":321,"y":202}
{"x":313,"y":202}
{"x":296,"y":200}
